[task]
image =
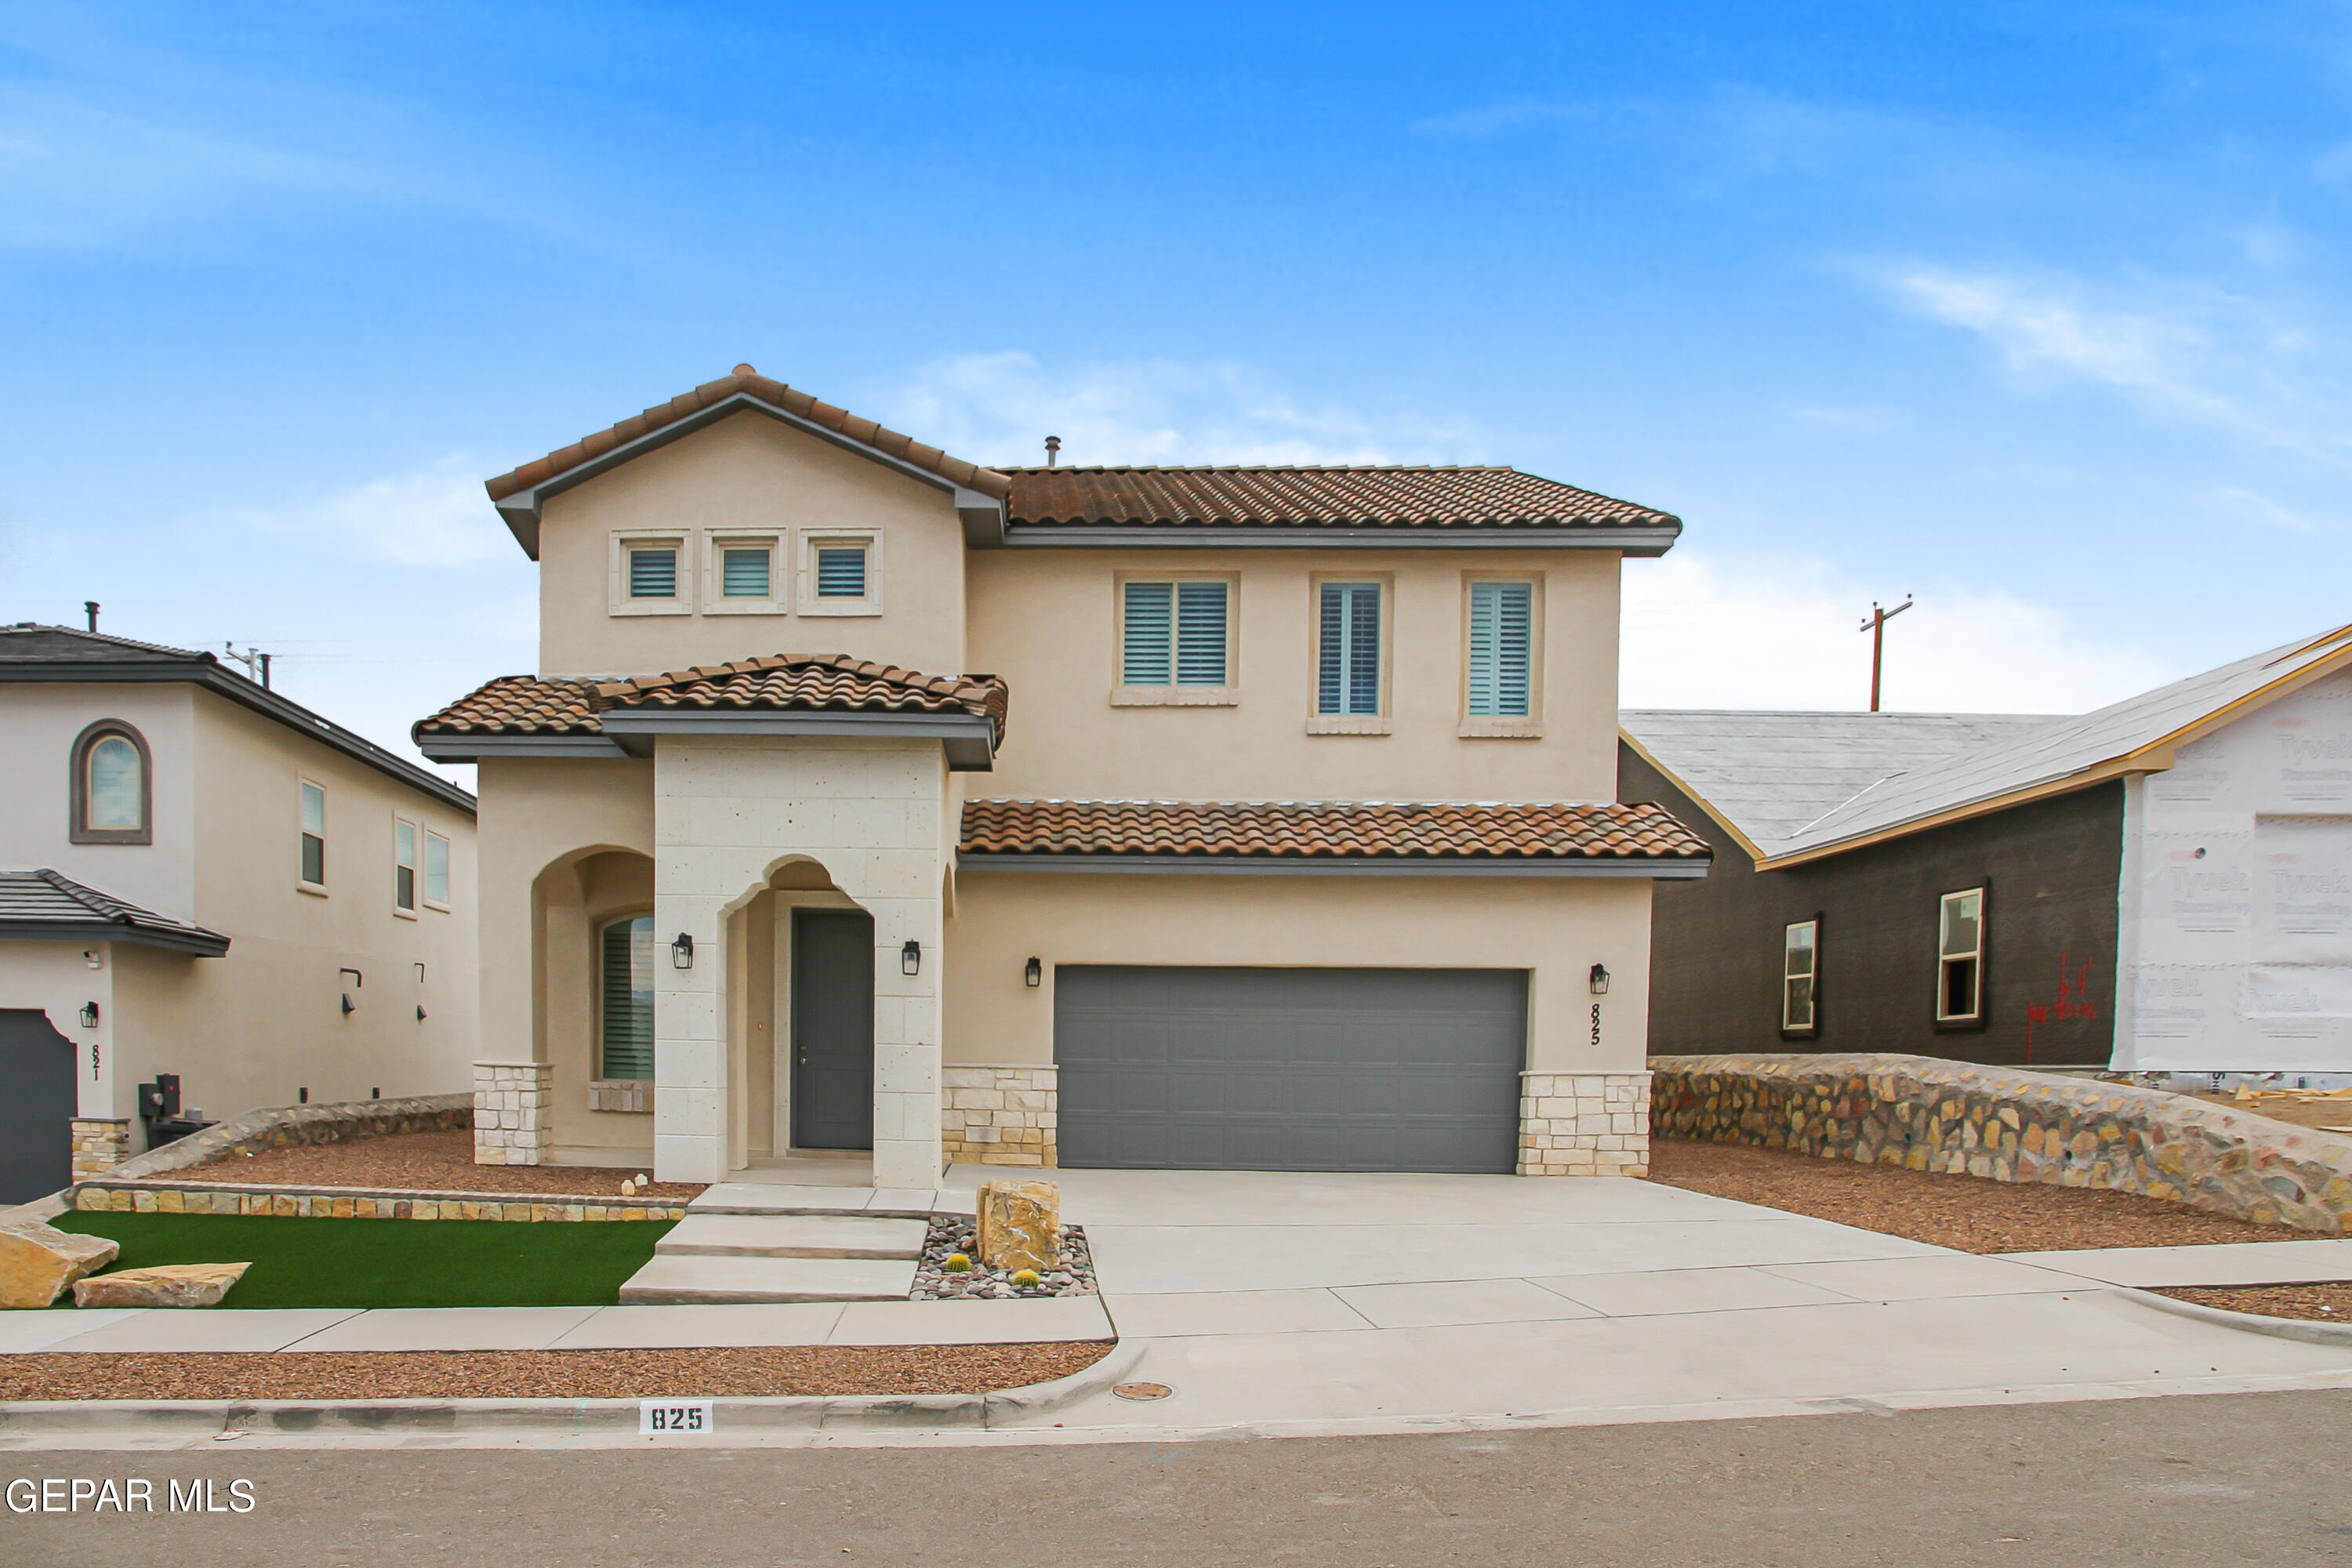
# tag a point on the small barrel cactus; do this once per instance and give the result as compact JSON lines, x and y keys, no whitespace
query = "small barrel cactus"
{"x":956,"y":1263}
{"x":1026,"y":1279}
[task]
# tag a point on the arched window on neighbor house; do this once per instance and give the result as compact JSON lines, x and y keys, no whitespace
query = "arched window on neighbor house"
{"x":625,"y":1035}
{"x":113,"y":789}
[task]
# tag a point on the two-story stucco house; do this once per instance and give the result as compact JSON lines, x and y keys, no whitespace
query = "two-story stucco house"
{"x":1279,"y":832}
{"x":199,"y":877}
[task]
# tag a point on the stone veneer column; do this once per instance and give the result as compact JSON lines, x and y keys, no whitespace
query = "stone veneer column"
{"x":1584,"y":1123}
{"x":511,"y":1106}
{"x":100,"y":1144}
{"x":999,"y":1115}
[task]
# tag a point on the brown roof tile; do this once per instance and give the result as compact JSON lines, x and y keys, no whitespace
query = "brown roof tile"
{"x":744,"y":379}
{"x":1408,"y":497}
{"x":519,"y":705}
{"x":1327,"y":830}
{"x":531,"y":705}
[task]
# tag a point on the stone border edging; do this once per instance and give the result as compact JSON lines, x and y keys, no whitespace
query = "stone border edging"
{"x":290,"y":1201}
{"x":2302,"y":1328}
{"x":404,"y":1417}
{"x":278,"y":1126}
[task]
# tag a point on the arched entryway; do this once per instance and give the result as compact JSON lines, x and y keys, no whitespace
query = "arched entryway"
{"x":800,"y":1003}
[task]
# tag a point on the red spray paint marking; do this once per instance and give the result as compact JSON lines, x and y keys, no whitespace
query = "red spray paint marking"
{"x":2071,"y":1002}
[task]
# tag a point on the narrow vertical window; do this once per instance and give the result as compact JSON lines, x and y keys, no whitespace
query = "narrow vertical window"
{"x":1348,"y":677}
{"x":841,"y":572}
{"x":1800,"y":977}
{"x":653,"y":572}
{"x":314,"y":835}
{"x":1150,"y":619}
{"x":1960,"y":957}
{"x":403,"y":865}
{"x":114,"y":784}
{"x":628,"y":995}
{"x":743,"y":571}
{"x":1200,"y":634}
{"x":1502,"y":639}
{"x":437,"y":871}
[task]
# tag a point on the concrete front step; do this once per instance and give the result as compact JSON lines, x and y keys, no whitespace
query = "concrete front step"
{"x":875,"y":1203}
{"x":792,"y":1236}
{"x":673,"y":1279}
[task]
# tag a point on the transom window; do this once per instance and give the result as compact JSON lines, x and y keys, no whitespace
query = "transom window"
{"x":1960,"y":957}
{"x":403,"y":865}
{"x":112,"y":791}
{"x":653,"y":571}
{"x":627,"y":1032}
{"x":1349,"y":664}
{"x":745,"y":570}
{"x":314,"y":835}
{"x":841,"y":571}
{"x":1502,"y":636}
{"x":1800,"y":976}
{"x":1174,"y":634}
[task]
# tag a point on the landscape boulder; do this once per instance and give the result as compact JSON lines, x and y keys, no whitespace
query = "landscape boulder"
{"x":1020,"y":1225}
{"x":38,"y":1262}
{"x":167,"y":1285}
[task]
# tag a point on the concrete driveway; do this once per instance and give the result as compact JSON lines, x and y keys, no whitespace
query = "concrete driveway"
{"x":1321,"y":1303}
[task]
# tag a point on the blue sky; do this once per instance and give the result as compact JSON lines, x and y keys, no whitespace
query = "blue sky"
{"x":2036,"y":313}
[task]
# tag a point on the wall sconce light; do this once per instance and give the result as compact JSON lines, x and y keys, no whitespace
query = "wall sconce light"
{"x":681,"y":952}
{"x":349,"y":1006}
{"x":89,"y":1014}
{"x":1033,"y":975}
{"x":358,"y":980}
{"x":1600,"y":980}
{"x":420,"y":1014}
{"x":910,"y":957}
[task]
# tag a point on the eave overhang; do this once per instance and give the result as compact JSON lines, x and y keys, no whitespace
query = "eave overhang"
{"x":1644,"y":542}
{"x":1680,"y":868}
{"x":196,"y":941}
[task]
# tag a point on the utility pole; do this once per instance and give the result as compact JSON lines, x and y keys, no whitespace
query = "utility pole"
{"x":1874,"y":624}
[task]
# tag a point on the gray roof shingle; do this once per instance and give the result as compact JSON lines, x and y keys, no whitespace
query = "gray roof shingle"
{"x":46,"y":906}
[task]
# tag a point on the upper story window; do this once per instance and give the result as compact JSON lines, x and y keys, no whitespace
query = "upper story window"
{"x":841,"y":575}
{"x":436,"y":871}
{"x":112,"y":793}
{"x":1960,"y":957}
{"x":653,"y":572}
{"x":403,"y":866}
{"x":744,"y":571}
{"x":625,"y":1046}
{"x":1800,"y":963}
{"x":1502,"y":646}
{"x":741,"y":574}
{"x":1175,"y":634}
{"x":314,"y":836}
{"x":649,"y":576}
{"x":1347,"y":662}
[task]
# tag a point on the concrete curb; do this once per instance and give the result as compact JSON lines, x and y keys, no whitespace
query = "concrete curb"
{"x":193,"y":1418}
{"x":2246,"y":1322}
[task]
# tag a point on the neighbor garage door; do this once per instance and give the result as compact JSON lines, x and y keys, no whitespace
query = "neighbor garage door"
{"x":1290,"y":1069}
{"x":37,"y":1106}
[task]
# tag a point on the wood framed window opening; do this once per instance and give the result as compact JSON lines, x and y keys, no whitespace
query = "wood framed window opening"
{"x":1801,"y":978}
{"x":1959,"y":958}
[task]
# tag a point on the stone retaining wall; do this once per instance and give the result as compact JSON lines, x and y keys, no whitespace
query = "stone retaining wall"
{"x":347,"y":1203}
{"x":289,"y":1124}
{"x":2007,"y":1125}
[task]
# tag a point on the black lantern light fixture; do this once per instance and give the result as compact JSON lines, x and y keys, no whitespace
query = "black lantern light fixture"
{"x":89,"y":1014}
{"x":1033,"y":975}
{"x":681,"y":952}
{"x":910,"y":957}
{"x":1600,"y":980}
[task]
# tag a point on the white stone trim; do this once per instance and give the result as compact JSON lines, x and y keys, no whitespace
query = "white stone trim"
{"x":511,"y":1125}
{"x":994,"y":1114}
{"x":1584,"y":1123}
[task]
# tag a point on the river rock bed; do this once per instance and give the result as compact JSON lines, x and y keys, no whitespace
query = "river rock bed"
{"x":954,"y":1233}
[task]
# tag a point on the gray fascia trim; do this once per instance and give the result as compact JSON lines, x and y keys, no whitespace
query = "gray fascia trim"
{"x":1339,"y":536}
{"x":474,"y":748}
{"x":1325,"y":865}
{"x":258,"y":698}
{"x":203,"y":943}
{"x":522,"y":510}
{"x":970,"y":740}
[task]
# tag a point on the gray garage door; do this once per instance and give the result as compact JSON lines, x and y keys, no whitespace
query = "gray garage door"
{"x":1290,"y":1069}
{"x":37,"y":1106}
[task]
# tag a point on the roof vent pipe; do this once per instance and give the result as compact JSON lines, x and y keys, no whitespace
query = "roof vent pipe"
{"x":90,"y":608}
{"x":1053,"y":447}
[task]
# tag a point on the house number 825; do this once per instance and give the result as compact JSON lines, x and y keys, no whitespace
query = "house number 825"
{"x":1596,"y":1023}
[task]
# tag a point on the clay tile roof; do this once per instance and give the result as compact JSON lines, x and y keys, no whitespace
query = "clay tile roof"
{"x":531,"y":705}
{"x":744,"y":379}
{"x":1388,"y":496}
{"x":1342,"y":830}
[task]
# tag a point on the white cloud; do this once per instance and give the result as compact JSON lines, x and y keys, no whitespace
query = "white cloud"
{"x":434,"y":516}
{"x":1704,"y":631}
{"x":1000,"y":407}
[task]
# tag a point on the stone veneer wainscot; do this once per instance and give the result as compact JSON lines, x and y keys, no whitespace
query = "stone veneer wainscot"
{"x":511,"y":1106}
{"x":1584,"y":1124}
{"x":999,"y":1115}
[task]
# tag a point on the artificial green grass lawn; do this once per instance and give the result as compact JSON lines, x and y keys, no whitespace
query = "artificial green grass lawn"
{"x":389,"y":1262}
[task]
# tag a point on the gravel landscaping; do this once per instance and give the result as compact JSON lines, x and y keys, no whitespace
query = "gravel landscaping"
{"x":1968,"y":1214}
{"x":764,"y":1370}
{"x":2329,"y":1303}
{"x":438,"y":1162}
{"x":950,"y":1233}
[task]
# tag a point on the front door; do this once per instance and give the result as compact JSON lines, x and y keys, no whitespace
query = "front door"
{"x":833,"y":1029}
{"x":36,"y":1108}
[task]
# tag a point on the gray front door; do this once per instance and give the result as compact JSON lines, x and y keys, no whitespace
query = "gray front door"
{"x":37,"y":1106}
{"x":1290,"y":1069}
{"x":833,"y":1029}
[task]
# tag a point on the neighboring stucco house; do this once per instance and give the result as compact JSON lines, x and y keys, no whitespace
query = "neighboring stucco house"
{"x":2164,"y":885}
{"x":1281,"y":831}
{"x":195,"y":874}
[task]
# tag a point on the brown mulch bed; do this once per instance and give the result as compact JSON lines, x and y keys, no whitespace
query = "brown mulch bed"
{"x":439,"y":1162}
{"x":545,"y":1374}
{"x":2319,"y":1303}
{"x":1968,"y":1214}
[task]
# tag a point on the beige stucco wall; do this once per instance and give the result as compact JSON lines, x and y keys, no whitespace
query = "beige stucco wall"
{"x":55,"y":978}
{"x":745,"y":474}
{"x":1045,"y":620}
{"x":38,"y":724}
{"x":1555,"y":928}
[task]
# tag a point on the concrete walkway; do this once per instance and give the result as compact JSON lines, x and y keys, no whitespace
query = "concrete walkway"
{"x":2229,"y":1263}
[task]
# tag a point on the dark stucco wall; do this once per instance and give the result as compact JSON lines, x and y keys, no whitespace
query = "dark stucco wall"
{"x":2049,"y":868}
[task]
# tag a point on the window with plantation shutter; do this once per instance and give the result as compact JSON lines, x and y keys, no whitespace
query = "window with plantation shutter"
{"x":1502,"y":635}
{"x":1200,"y":634}
{"x":841,"y":572}
{"x":653,"y":573}
{"x":1151,"y":623}
{"x":743,"y":571}
{"x":627,"y":964}
{"x":1349,"y":667}
{"x":1174,"y":634}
